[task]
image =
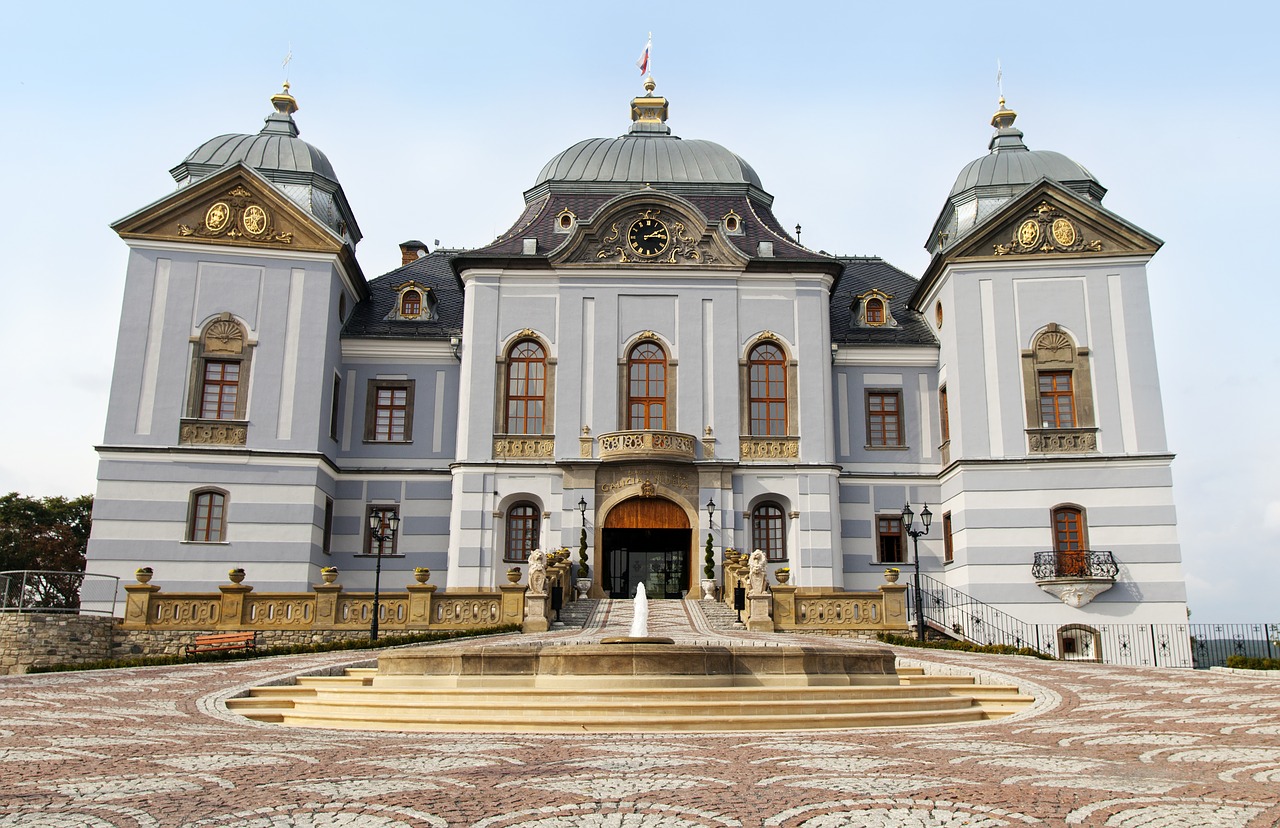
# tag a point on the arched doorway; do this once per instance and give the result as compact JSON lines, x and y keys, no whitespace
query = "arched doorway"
{"x":646,"y":540}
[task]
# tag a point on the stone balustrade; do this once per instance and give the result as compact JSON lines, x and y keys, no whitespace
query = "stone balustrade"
{"x":646,"y":445}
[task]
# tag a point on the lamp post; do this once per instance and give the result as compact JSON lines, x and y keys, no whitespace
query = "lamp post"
{"x":583,"y":572}
{"x":375,"y":533}
{"x":925,"y":518}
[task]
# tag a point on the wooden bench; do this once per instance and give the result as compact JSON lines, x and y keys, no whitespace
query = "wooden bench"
{"x":220,"y":642}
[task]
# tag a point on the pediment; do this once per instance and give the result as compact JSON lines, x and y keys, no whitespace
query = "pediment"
{"x":648,"y":229}
{"x":235,"y":207}
{"x":1050,"y":221}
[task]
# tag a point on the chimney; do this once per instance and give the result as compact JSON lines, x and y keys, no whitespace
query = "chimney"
{"x":411,"y":251}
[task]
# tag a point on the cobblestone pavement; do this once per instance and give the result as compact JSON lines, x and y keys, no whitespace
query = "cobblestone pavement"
{"x":1104,"y":746}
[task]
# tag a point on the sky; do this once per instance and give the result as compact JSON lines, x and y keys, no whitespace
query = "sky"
{"x":856,"y":116}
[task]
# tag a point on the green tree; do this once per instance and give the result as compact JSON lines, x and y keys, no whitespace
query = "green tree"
{"x":48,"y":533}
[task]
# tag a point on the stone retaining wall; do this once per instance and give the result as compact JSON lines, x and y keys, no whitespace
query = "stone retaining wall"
{"x":30,"y":639}
{"x":130,"y":643}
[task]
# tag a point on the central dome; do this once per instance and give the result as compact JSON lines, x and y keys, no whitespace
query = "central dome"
{"x":648,"y":159}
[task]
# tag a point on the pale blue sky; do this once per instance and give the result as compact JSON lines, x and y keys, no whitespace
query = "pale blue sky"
{"x":857,"y":118}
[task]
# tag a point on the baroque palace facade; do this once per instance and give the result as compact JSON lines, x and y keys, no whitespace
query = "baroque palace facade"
{"x":647,"y":355}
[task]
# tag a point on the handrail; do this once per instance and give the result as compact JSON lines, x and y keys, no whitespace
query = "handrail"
{"x":1076,"y":563}
{"x":961,"y":615}
{"x":52,"y":590}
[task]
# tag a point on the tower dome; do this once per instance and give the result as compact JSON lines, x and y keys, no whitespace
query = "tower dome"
{"x":1009,"y":168}
{"x":647,"y":154}
{"x":298,"y":169}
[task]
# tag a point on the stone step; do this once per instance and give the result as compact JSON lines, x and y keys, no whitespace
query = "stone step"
{"x":494,"y":721}
{"x":511,"y":697}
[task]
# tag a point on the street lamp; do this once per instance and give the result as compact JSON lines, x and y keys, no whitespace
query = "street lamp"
{"x":376,"y":519}
{"x":583,"y":572}
{"x":925,"y":518}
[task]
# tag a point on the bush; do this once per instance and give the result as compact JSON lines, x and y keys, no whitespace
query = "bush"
{"x":963,"y":646}
{"x":262,"y":652}
{"x":1240,"y":662}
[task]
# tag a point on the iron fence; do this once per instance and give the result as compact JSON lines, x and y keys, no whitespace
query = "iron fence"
{"x":43,"y":590}
{"x":1213,"y":644}
{"x":960,"y":615}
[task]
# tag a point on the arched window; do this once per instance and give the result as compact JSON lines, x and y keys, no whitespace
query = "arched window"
{"x":647,"y":387}
{"x":526,"y":388}
{"x":769,"y":531}
{"x":207,"y":519}
{"x":1059,"y":394}
{"x":1069,"y":541}
{"x":411,"y":303}
{"x":875,"y":312}
{"x":767,"y":378}
{"x":220,"y":371}
{"x":522,"y":531}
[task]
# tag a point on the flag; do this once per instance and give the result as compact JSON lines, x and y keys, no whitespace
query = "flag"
{"x":643,"y":62}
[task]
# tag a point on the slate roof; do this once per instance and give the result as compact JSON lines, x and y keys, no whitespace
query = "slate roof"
{"x":538,"y":221}
{"x":864,"y":273}
{"x":369,"y":319}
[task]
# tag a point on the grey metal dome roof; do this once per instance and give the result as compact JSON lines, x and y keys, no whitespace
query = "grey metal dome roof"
{"x":1005,"y":168}
{"x":300,"y":170}
{"x":648,"y":159}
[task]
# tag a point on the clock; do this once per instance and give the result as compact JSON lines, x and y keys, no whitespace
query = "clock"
{"x":648,"y":237}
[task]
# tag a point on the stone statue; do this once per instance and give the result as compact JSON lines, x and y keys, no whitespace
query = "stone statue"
{"x":538,"y":572}
{"x":755,"y":573}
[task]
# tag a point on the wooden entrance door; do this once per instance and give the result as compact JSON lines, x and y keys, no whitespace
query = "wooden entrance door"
{"x":649,"y":541}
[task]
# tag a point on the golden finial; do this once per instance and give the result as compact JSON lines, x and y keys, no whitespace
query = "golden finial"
{"x":649,"y":85}
{"x":284,"y":103}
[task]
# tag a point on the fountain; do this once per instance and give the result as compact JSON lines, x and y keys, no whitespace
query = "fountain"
{"x":639,"y":633}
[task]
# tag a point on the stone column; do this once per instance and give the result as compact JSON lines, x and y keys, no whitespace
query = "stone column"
{"x":893,"y":602}
{"x":326,"y":617}
{"x":230,"y":614}
{"x":137,"y":606}
{"x":420,"y":596}
{"x":784,"y":606}
{"x":758,"y":607}
{"x":512,"y":603}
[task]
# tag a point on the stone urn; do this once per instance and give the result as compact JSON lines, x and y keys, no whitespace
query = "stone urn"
{"x":782,"y":575}
{"x":329,"y":574}
{"x":891,"y":576}
{"x":708,"y":589}
{"x":236,"y":575}
{"x":143,"y":574}
{"x":513,"y":574}
{"x":421,"y":574}
{"x":583,"y":585}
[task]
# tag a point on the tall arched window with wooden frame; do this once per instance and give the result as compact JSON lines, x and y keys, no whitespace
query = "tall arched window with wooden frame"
{"x":769,"y":530}
{"x":647,"y":387}
{"x":1070,"y":541}
{"x":526,"y":388}
{"x":207,"y":516}
{"x":767,"y":390}
{"x":1059,"y":394}
{"x":523,"y":521}
{"x":219,"y":384}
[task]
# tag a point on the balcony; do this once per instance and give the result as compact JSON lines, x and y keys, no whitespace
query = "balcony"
{"x":646,"y":445}
{"x":1075,"y":577}
{"x":198,"y":432}
{"x":1062,"y":440}
{"x":786,"y":449}
{"x":507,"y":447}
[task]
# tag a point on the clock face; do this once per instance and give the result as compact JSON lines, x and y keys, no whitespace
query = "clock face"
{"x":648,"y":237}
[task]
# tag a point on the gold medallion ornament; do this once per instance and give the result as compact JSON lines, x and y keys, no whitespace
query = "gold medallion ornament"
{"x":1064,"y":233}
{"x":648,"y":237}
{"x":216,"y":218}
{"x":254,"y":219}
{"x":1028,"y":233}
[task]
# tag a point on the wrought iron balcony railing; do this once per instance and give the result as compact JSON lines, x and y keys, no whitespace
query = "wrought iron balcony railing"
{"x":1082,"y":563}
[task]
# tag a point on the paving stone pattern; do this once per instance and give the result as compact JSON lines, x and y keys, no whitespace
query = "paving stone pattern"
{"x":1104,"y":746}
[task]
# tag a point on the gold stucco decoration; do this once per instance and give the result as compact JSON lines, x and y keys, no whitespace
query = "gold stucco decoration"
{"x":235,"y":216}
{"x":1047,"y":230}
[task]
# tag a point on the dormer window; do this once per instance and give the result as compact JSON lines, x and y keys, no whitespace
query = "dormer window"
{"x":565,"y":221}
{"x":732,"y":223}
{"x":411,"y":304}
{"x":414,"y":302}
{"x":872,"y":311}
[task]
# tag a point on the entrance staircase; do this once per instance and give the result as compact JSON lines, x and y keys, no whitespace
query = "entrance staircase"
{"x":608,"y":702}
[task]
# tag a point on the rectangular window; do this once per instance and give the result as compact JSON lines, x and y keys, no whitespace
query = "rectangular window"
{"x":948,"y":551}
{"x":889,"y":539}
{"x":389,"y":412}
{"x":768,"y":531}
{"x":389,"y":540}
{"x":326,"y":540}
{"x":219,"y":390}
{"x":944,"y":414}
{"x":1057,"y":402}
{"x":334,"y":402}
{"x":884,"y":418}
{"x":522,"y":532}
